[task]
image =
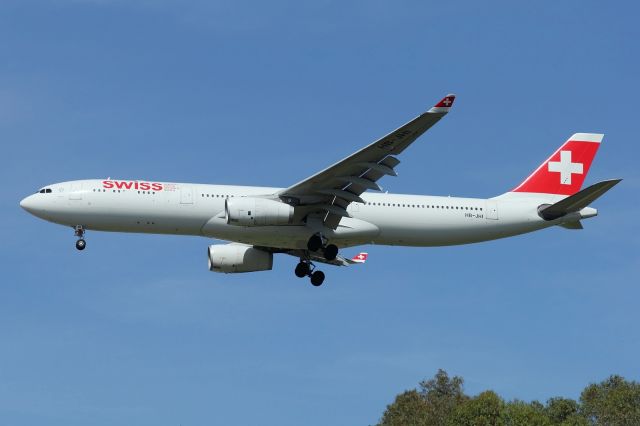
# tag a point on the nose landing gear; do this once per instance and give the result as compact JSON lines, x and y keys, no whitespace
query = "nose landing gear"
{"x":307,"y":269}
{"x":79,"y":232}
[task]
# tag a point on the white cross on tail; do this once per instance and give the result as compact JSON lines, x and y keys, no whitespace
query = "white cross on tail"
{"x":565,"y":167}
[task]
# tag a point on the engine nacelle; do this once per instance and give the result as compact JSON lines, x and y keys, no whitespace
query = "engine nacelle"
{"x":248,"y":211}
{"x":233,"y":258}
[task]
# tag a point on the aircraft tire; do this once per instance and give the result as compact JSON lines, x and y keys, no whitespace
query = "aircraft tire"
{"x":330,"y":252}
{"x":302,"y":270}
{"x":81,"y":244}
{"x":317,"y":278}
{"x":314,"y":243}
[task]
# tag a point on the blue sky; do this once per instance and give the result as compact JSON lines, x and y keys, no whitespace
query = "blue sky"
{"x":135,"y":330}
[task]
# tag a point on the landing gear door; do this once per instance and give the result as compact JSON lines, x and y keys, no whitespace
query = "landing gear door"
{"x":491,"y":210}
{"x":186,"y":194}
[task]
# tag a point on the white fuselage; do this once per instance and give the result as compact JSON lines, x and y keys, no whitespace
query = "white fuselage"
{"x":198,"y":209}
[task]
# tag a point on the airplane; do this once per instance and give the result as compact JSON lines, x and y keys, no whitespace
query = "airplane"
{"x":330,"y":210}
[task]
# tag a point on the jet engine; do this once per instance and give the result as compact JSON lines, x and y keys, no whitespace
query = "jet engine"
{"x":232,"y":258}
{"x":248,"y":211}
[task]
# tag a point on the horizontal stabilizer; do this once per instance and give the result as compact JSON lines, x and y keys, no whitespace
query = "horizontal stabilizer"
{"x":572,"y":225}
{"x":359,"y":258}
{"x":577,"y":201}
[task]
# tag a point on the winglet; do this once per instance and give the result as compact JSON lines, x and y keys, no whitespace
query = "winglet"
{"x":360,"y":258}
{"x":444,"y":105}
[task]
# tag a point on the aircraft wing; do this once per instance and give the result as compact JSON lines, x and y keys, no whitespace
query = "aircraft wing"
{"x":331,"y":190}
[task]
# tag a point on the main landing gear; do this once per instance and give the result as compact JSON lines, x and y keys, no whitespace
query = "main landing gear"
{"x":307,"y":269}
{"x":79,"y":232}
{"x":316,"y":242}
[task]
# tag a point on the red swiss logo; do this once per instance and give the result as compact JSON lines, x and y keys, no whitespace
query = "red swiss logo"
{"x":564,"y":172}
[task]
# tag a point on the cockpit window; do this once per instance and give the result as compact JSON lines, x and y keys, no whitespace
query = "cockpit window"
{"x":48,"y":190}
{"x":45,"y":191}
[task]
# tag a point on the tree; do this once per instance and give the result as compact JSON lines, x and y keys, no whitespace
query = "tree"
{"x":408,"y":409}
{"x":441,"y":401}
{"x":485,"y":409}
{"x":565,"y":412}
{"x":442,"y":395}
{"x":612,"y":402}
{"x":431,"y":406}
{"x":520,"y":413}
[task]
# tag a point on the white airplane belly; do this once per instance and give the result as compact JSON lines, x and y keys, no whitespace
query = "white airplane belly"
{"x":350,"y":232}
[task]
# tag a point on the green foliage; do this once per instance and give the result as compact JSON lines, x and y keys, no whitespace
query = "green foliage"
{"x":441,"y":401}
{"x":442,"y":395}
{"x":409,"y":408}
{"x":612,"y":402}
{"x":520,"y":413}
{"x":483,"y":410}
{"x":565,"y":412}
{"x":432,"y":406}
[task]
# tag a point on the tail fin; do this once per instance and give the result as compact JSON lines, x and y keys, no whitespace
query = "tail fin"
{"x":564,"y":172}
{"x":359,"y":258}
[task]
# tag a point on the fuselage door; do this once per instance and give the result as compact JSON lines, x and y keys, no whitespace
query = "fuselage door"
{"x":75,"y":191}
{"x":186,"y":194}
{"x":491,"y":210}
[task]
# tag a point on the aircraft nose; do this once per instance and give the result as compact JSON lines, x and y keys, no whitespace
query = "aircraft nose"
{"x":28,"y":204}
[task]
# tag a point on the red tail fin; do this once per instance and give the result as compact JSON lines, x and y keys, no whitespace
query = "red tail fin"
{"x":563,"y":173}
{"x":360,"y":258}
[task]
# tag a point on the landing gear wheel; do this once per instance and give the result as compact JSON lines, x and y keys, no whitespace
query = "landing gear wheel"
{"x":317,"y":278}
{"x":302,"y":270}
{"x":330,"y":252}
{"x":79,"y":232}
{"x":314,"y":243}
